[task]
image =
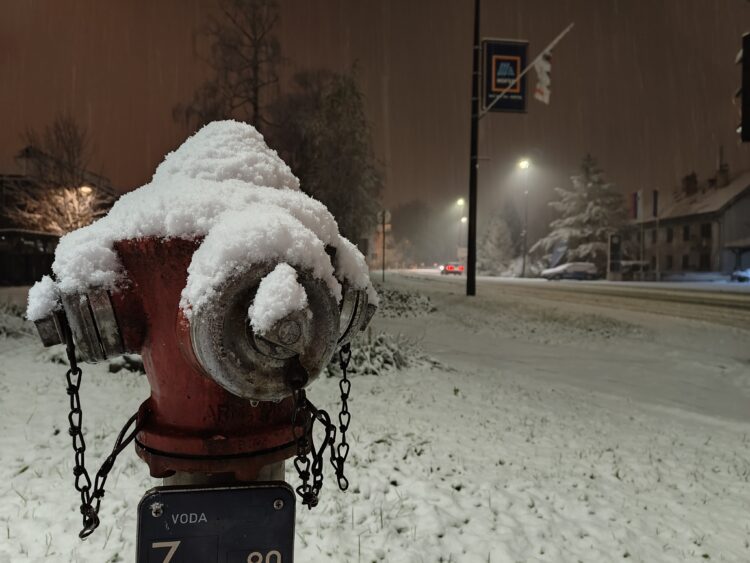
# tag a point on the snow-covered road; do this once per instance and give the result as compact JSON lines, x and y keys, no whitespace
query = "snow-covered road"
{"x":717,"y":286}
{"x":559,"y":433}
{"x":723,"y":303}
{"x":590,"y":343}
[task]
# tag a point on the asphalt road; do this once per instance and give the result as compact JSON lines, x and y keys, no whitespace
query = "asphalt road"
{"x":720,"y":303}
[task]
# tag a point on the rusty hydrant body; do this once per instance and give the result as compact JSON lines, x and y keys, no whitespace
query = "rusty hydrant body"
{"x":190,"y":423}
{"x":193,"y":423}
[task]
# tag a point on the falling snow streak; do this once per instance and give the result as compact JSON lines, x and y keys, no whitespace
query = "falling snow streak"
{"x":646,"y":86}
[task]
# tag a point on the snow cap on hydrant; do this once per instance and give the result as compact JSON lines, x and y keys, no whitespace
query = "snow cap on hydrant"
{"x":235,"y":286}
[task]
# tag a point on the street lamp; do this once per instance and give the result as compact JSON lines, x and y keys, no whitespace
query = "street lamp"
{"x":460,"y":202}
{"x":524,"y":165}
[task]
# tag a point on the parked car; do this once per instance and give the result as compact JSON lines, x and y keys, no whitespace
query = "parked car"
{"x":452,"y":268}
{"x":741,"y":275}
{"x":571,"y":271}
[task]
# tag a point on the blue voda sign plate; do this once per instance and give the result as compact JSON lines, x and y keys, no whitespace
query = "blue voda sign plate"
{"x":239,"y":524}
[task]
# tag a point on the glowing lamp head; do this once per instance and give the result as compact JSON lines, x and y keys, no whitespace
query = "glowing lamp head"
{"x":524,"y":163}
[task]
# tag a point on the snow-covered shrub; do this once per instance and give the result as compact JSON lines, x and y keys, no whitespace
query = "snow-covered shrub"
{"x":56,"y":355}
{"x":496,"y":249}
{"x":379,"y":354}
{"x":13,"y":322}
{"x":514,"y":268}
{"x":398,"y":303}
{"x":128,"y":362}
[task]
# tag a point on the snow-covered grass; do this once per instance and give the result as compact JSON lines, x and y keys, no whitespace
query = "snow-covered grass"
{"x":471,"y":461}
{"x":13,"y":320}
{"x":474,"y":467}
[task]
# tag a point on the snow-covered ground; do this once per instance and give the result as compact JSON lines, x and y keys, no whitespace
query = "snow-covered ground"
{"x":566,"y":433}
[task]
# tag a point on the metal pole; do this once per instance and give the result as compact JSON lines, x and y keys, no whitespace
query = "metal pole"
{"x":525,"y":221}
{"x":383,"y":245}
{"x":643,"y":246}
{"x":471,"y":259}
{"x":658,"y":252}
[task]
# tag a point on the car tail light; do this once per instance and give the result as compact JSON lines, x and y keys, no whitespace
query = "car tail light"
{"x":460,"y":268}
{"x":450,"y":268}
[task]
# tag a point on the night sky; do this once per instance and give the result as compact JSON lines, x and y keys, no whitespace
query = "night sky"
{"x":644,"y":85}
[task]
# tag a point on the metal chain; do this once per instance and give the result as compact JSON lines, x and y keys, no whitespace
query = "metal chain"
{"x":345,"y":417}
{"x":307,"y":414}
{"x":302,"y":461}
{"x":91,"y":498}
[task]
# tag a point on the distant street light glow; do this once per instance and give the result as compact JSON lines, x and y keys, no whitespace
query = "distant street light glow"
{"x":464,"y":219}
{"x":85,"y":190}
{"x":524,"y":165}
{"x":460,"y":202}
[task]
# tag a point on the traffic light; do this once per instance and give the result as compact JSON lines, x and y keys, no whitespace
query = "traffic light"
{"x":743,"y":94}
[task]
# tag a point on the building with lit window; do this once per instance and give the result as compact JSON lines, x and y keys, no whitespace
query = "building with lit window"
{"x":703,"y":229}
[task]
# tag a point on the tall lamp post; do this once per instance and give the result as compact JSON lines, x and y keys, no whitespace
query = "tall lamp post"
{"x":460,"y":203}
{"x":524,"y":165}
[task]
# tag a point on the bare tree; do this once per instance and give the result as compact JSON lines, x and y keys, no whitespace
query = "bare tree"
{"x":60,"y":154}
{"x":244,"y":55}
{"x":327,"y":141}
{"x":60,"y":195}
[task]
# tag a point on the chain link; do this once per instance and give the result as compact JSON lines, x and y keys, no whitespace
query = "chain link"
{"x":91,"y":497}
{"x":306,"y":415}
{"x":345,"y":417}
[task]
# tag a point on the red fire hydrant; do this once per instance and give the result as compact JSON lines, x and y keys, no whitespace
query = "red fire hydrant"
{"x":237,"y":289}
{"x":220,"y":399}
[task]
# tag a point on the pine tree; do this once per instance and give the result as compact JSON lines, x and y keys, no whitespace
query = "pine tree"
{"x":495,"y":251}
{"x":590,"y":210}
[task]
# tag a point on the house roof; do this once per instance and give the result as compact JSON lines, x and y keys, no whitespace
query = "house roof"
{"x":708,"y":200}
